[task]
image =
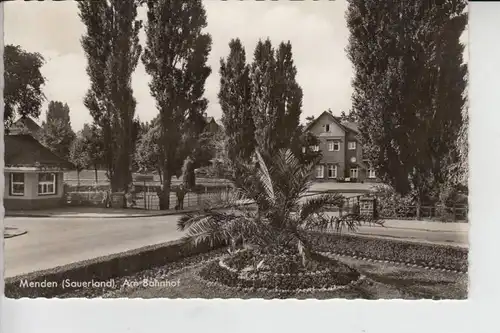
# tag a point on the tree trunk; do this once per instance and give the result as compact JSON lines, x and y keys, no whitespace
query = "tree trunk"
{"x":190,"y":177}
{"x":160,"y":174}
{"x":167,"y":181}
{"x":96,"y":176}
{"x":78,"y":180}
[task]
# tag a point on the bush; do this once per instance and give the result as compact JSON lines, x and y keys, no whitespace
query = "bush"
{"x":392,"y":204}
{"x":85,"y":198}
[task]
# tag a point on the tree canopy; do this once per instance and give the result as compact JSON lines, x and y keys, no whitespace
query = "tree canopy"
{"x":57,"y":133}
{"x":111,"y":45}
{"x":23,"y":83}
{"x":409,"y":81}
{"x":235,"y":99}
{"x":175,"y":57}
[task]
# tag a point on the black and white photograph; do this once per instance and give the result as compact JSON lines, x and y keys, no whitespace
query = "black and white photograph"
{"x":236,"y":149}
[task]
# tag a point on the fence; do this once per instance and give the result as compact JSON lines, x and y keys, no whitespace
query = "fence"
{"x":364,"y":204}
{"x":370,"y":205}
{"x":148,"y":200}
{"x":457,"y":213}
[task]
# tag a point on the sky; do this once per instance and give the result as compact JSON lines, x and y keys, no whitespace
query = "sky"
{"x":316,"y":29}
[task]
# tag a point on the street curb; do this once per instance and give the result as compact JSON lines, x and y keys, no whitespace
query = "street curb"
{"x":27,"y":215}
{"x":24,"y":232}
{"x":102,"y":216}
{"x":426,"y":230}
{"x":175,"y":212}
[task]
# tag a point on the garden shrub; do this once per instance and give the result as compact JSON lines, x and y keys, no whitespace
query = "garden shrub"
{"x":391,"y":204}
{"x":85,"y":198}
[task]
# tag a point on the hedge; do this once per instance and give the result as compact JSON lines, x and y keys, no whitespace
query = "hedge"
{"x":422,"y":254}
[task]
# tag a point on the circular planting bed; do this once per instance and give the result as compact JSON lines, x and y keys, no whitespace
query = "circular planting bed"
{"x":283,"y":273}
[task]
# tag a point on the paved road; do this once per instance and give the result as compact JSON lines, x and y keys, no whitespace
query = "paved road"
{"x":52,"y":242}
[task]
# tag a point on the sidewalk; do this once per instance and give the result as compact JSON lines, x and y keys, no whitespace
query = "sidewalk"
{"x":99,"y":212}
{"x":94,"y":212}
{"x":431,"y":226}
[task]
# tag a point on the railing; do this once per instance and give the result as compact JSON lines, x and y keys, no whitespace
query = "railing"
{"x":353,"y":204}
{"x":150,"y":201}
{"x":457,"y":213}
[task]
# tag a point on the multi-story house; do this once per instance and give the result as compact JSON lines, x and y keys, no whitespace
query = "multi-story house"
{"x":341,"y":150}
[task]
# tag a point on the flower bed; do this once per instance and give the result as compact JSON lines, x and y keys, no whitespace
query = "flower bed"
{"x":283,"y":272}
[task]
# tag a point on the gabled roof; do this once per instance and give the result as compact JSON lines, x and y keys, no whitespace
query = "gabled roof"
{"x":25,"y":151}
{"x":27,"y":122}
{"x":345,"y":125}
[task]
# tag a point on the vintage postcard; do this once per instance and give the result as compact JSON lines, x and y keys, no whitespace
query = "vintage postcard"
{"x":228,"y":149}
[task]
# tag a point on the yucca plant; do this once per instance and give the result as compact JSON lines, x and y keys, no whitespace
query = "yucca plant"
{"x":278,"y":187}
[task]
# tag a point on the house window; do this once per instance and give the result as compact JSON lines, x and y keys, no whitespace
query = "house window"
{"x":333,"y":145}
{"x":320,"y":171}
{"x":332,"y":171}
{"x":315,"y":148}
{"x":354,"y":173}
{"x":17,"y":184}
{"x":327,"y":128}
{"x":351,"y":145}
{"x":46,"y":183}
{"x":371,"y":173}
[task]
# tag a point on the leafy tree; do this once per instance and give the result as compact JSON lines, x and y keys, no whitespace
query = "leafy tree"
{"x":276,"y":97}
{"x":289,"y":97}
{"x":235,"y":100}
{"x":57,"y":133}
{"x":350,"y":117}
{"x":222,"y":166}
{"x":111,"y":44}
{"x":79,"y":155}
{"x":309,"y":120}
{"x":23,"y":83}
{"x":264,"y":111}
{"x":175,"y":56}
{"x":148,"y":152}
{"x":94,"y":142}
{"x":302,"y":147}
{"x":201,"y":154}
{"x":408,"y":88}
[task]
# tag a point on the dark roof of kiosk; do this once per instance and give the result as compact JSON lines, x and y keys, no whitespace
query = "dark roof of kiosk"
{"x":25,"y":151}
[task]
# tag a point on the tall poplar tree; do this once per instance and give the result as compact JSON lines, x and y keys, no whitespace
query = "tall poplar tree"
{"x":175,"y":57}
{"x":408,"y":88}
{"x":111,"y":44}
{"x":276,"y":98}
{"x":235,"y":100}
{"x":57,"y":133}
{"x":264,"y":108}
